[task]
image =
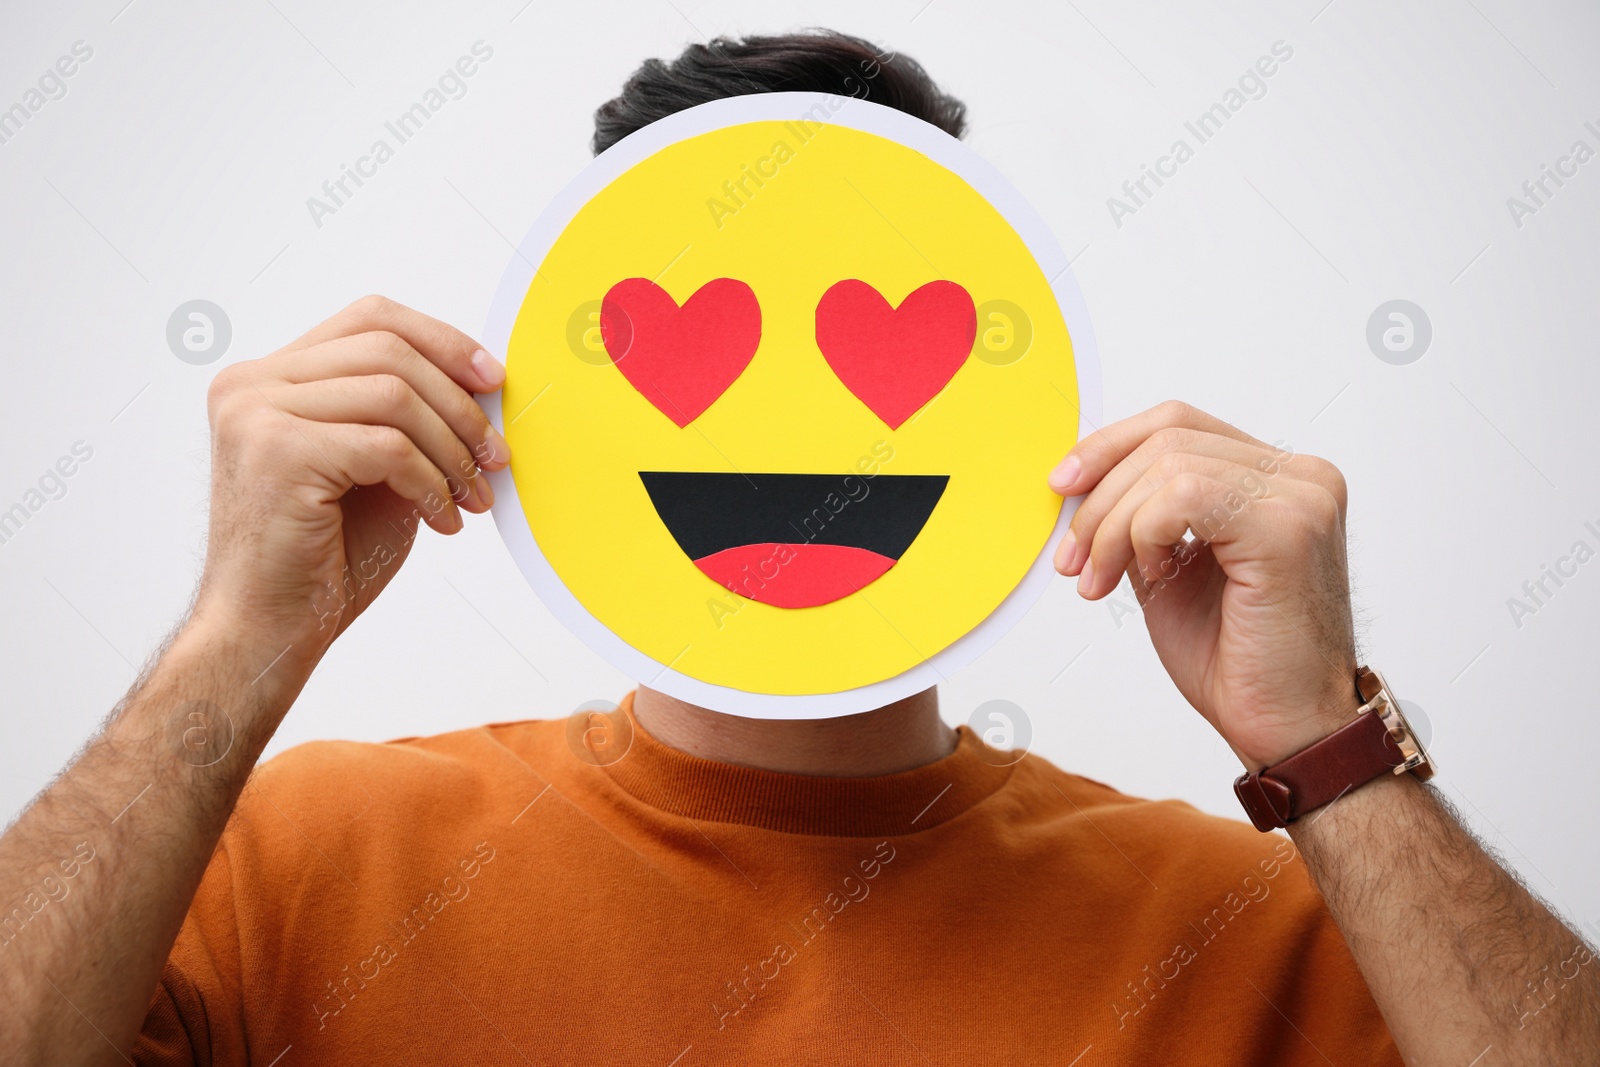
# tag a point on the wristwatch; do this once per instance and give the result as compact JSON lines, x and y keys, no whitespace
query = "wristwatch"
{"x":1378,"y":740}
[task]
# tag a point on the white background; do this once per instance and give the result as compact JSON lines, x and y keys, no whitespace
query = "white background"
{"x":1377,"y":166}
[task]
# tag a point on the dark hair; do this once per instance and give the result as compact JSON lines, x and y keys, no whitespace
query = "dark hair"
{"x":815,"y":61}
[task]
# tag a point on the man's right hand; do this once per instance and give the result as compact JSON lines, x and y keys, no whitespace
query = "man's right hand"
{"x":327,"y":457}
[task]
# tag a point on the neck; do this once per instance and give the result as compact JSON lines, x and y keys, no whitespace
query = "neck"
{"x":897,"y":737}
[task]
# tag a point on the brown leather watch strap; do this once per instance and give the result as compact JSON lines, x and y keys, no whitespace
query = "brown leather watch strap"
{"x":1351,"y":756}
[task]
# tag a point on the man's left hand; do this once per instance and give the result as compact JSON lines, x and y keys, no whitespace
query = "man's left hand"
{"x":1251,"y":617}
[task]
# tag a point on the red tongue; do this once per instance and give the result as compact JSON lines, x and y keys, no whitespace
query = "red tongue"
{"x":794,"y":576}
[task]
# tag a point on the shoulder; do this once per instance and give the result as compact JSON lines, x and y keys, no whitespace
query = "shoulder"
{"x":1203,"y":896}
{"x":407,"y":762}
{"x":1204,"y":887}
{"x":335,"y":796}
{"x":1180,"y":854}
{"x":1176,"y":824}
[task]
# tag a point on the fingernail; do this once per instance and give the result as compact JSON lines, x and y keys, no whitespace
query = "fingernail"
{"x":491,"y":372}
{"x":1066,"y":473}
{"x":1066,"y":551}
{"x":483,"y":490}
{"x":1086,"y":579}
{"x":496,"y":453}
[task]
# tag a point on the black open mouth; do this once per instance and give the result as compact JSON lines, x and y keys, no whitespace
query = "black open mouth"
{"x":793,"y":540}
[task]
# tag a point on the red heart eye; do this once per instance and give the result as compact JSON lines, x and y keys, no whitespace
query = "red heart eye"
{"x":895,"y":360}
{"x":680,"y":358}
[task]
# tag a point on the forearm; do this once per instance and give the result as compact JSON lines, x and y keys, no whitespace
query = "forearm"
{"x":1459,"y":956}
{"x":96,"y":876}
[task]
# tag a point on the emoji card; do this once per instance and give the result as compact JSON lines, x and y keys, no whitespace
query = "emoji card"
{"x":785,"y":376}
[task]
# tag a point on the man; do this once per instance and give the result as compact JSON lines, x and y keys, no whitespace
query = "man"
{"x":676,"y":886}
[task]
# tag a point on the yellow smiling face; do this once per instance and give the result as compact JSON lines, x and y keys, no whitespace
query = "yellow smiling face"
{"x":781,"y":398}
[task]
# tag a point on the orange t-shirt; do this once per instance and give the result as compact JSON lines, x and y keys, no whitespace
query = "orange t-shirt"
{"x":506,"y":895}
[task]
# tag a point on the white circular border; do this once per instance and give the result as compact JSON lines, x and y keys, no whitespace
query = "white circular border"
{"x":854,"y":114}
